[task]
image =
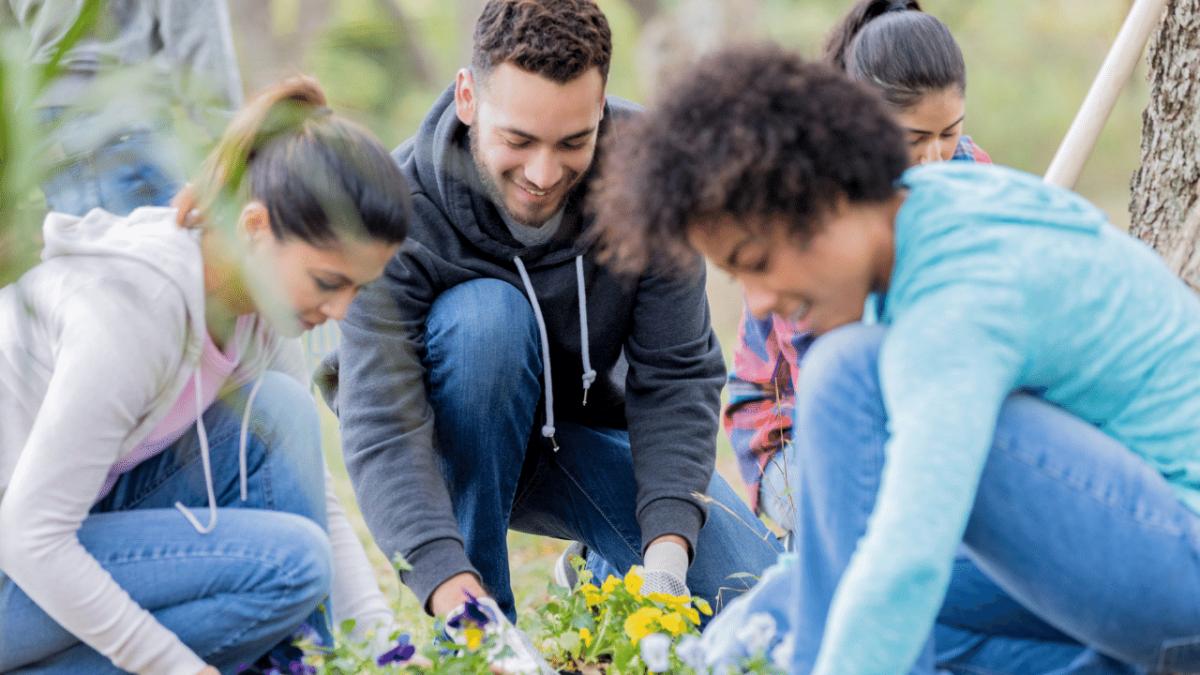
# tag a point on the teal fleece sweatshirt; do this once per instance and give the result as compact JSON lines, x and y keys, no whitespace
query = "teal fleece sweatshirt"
{"x":1002,"y":282}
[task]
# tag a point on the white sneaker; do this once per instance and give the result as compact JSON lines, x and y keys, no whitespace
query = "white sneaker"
{"x":564,"y":572}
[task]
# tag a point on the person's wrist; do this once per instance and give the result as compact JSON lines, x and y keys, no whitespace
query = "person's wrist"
{"x":453,"y":592}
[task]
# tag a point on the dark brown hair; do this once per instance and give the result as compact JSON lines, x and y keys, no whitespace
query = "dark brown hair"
{"x":898,"y":49}
{"x":557,"y":39}
{"x":754,"y":135}
{"x":317,"y":174}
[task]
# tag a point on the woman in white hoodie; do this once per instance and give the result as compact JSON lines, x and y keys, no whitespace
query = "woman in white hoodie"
{"x":146,"y":372}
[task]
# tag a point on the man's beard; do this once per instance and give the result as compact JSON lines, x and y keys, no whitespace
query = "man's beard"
{"x":492,"y":189}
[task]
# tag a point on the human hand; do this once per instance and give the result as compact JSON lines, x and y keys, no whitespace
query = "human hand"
{"x":187,"y":215}
{"x":453,"y":592}
{"x":209,"y":670}
{"x":665,"y":565}
{"x":511,"y":651}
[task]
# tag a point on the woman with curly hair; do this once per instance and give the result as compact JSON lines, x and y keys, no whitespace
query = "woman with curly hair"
{"x":913,"y":62}
{"x":1026,"y":388}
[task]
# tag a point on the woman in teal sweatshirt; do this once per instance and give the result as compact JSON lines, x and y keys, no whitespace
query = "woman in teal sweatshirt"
{"x":1030,"y":393}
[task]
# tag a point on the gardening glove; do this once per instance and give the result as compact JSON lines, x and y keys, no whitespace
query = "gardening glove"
{"x":512,"y":652}
{"x":665,"y":568}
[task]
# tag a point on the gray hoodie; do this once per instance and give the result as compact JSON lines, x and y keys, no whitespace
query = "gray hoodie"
{"x":650,"y":362}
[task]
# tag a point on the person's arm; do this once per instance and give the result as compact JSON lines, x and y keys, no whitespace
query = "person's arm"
{"x":198,"y":40}
{"x":946,"y":367}
{"x":106,"y":376}
{"x":672,"y":400}
{"x":758,"y":417}
{"x":387,"y":426}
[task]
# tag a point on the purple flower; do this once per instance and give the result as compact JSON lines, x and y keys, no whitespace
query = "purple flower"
{"x":473,"y":612}
{"x":401,"y":653}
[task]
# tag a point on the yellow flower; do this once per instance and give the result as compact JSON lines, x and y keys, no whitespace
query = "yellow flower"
{"x":474,"y":637}
{"x":586,"y":636}
{"x":640,"y":623}
{"x":673,"y":623}
{"x":593,"y":599}
{"x":669,"y":600}
{"x":633,"y":581}
{"x":703,"y":605}
{"x":610,"y":584}
{"x":690,"y":614}
{"x":589,"y":588}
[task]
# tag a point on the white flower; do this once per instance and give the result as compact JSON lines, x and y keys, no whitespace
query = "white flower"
{"x":656,"y":652}
{"x":781,"y":656}
{"x":757,"y":634}
{"x":691,"y":650}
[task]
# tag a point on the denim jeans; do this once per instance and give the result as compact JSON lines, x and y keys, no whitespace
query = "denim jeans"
{"x":1077,"y":557}
{"x":127,"y":169}
{"x":230,"y":595}
{"x":484,"y":367}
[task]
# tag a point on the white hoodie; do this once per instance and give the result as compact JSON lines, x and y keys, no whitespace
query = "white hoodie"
{"x":96,"y":344}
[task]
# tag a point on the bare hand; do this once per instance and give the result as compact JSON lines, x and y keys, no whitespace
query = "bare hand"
{"x":452,"y":593}
{"x":184,"y":203}
{"x":209,"y":670}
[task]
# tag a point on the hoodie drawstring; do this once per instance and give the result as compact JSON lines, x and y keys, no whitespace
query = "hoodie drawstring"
{"x":548,"y":427}
{"x":589,"y":375}
{"x":242,"y":439}
{"x":206,"y":459}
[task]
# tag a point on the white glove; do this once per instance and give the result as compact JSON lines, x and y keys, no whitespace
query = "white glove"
{"x":665,"y":569}
{"x":512,"y":652}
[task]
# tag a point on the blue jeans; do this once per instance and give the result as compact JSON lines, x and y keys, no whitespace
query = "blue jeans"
{"x":484,"y":369}
{"x":1077,"y":557}
{"x":230,"y":595}
{"x":120,"y":173}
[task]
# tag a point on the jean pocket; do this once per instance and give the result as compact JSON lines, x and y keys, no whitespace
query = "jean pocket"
{"x":1179,"y":656}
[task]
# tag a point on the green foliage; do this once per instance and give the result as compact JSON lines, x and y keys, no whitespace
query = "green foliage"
{"x":24,"y":156}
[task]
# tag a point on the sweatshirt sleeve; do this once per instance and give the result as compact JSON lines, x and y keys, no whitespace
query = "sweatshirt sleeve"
{"x":672,"y":401}
{"x":946,"y":367}
{"x":106,"y":375}
{"x":387,"y":424}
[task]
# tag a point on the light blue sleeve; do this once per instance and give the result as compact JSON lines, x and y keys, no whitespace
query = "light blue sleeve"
{"x":946,"y":366}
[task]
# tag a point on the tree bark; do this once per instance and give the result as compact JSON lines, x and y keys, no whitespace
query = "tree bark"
{"x":1165,"y":206}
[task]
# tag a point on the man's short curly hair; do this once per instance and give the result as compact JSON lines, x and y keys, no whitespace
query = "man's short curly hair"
{"x":751,"y":134}
{"x":557,"y":39}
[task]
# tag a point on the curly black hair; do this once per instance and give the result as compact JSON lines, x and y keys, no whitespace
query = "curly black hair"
{"x":755,"y":135}
{"x":557,"y":39}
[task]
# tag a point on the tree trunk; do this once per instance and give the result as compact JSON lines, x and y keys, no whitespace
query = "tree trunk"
{"x":1165,"y":207}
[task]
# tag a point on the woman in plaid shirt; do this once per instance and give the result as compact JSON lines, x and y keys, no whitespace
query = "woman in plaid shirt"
{"x":872,"y":44}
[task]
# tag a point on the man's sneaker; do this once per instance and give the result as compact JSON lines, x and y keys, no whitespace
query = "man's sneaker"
{"x":564,"y":572}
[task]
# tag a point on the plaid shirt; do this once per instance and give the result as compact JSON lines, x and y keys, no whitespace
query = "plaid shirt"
{"x":766,"y":366}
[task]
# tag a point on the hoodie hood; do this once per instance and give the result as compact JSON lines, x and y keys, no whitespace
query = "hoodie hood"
{"x":439,"y":156}
{"x":149,"y":236}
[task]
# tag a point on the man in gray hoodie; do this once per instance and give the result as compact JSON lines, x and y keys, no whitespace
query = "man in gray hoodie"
{"x":498,"y":376}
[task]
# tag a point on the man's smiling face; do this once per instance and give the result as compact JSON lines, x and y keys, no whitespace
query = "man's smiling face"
{"x":532,"y":139}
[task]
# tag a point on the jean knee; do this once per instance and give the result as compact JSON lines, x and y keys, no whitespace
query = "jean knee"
{"x":839,"y":371}
{"x":287,"y":431}
{"x":306,"y":557}
{"x":488,"y":324}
